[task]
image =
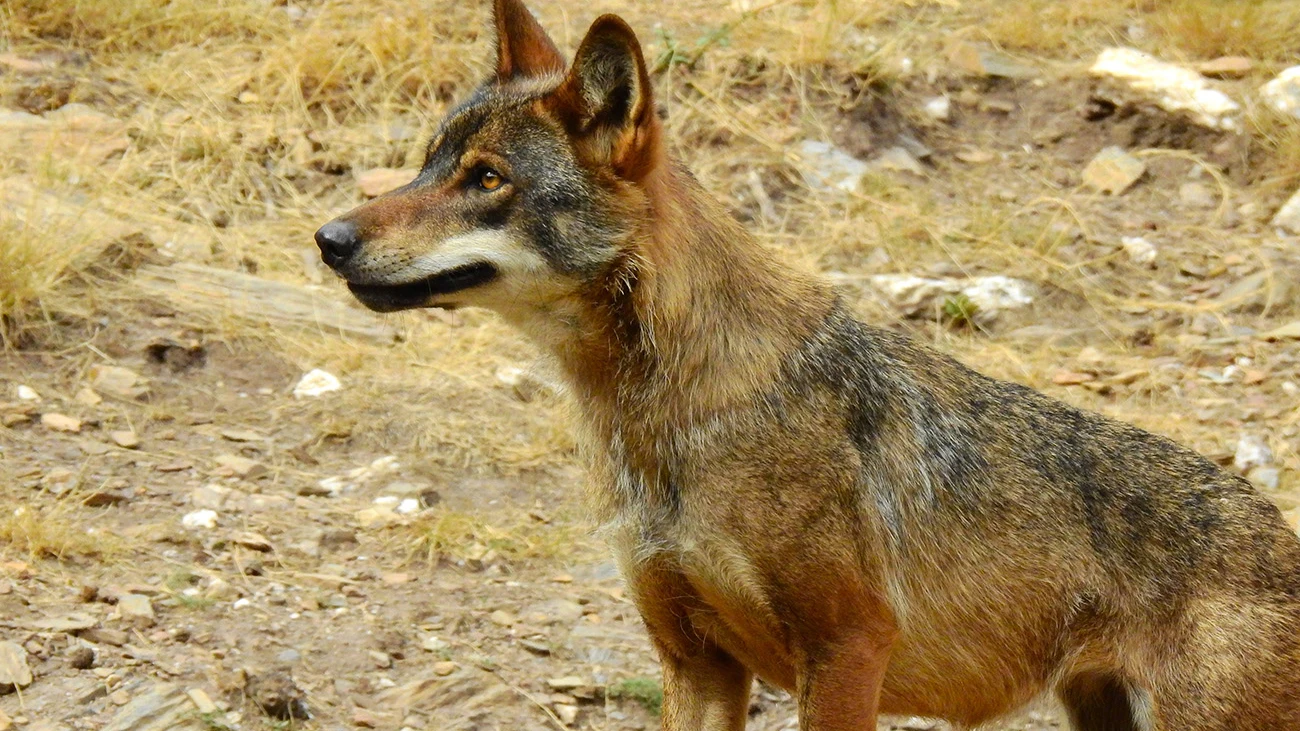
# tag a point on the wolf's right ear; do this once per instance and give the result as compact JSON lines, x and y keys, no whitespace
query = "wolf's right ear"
{"x":523,"y":48}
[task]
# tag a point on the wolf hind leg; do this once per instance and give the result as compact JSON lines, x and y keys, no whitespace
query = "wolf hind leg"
{"x":1100,"y":701}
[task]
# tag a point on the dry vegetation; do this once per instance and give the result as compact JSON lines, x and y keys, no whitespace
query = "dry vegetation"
{"x":238,"y":126}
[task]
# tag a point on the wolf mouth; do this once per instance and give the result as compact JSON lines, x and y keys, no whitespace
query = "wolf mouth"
{"x":393,"y":297}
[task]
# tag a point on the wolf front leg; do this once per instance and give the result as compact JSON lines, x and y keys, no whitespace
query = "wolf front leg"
{"x":840,"y":679}
{"x":705,"y":691}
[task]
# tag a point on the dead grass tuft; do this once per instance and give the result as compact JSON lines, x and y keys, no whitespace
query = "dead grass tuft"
{"x":455,"y":535}
{"x":55,"y":532}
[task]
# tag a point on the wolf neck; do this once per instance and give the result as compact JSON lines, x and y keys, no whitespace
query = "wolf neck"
{"x":706,"y":322}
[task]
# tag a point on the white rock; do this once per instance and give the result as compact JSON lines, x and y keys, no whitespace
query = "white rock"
{"x":919,"y":296}
{"x":1169,"y":86}
{"x":408,"y":506}
{"x":316,"y":382}
{"x":1139,"y":250}
{"x":27,"y":393}
{"x":387,"y":501}
{"x":1252,"y":451}
{"x":826,"y":167}
{"x":1283,"y":92}
{"x":200,"y":519}
{"x":1288,"y":216}
{"x":939,"y":108}
{"x":241,"y":603}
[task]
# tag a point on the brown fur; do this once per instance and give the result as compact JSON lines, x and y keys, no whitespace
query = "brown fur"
{"x":794,"y":495}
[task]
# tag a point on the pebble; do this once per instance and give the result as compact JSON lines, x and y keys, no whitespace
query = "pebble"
{"x":825,"y":167}
{"x":118,"y":381}
{"x":119,"y":697}
{"x":1197,"y":195}
{"x":444,"y":668}
{"x":1283,"y":92}
{"x":1113,"y":171}
{"x":200,"y":519}
{"x":1287,"y":217}
{"x":938,"y":108}
{"x":502,"y":618}
{"x":567,"y":714}
{"x":61,"y":422}
{"x":14,"y":672}
{"x":1252,"y":451}
{"x":1139,"y":250}
{"x":316,"y":382}
{"x":27,"y":393}
{"x":136,"y":610}
{"x":242,"y":467}
{"x":568,"y":682}
{"x":1226,"y":67}
{"x":125,"y":439}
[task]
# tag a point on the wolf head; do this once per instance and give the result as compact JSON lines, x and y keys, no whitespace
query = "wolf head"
{"x":528,"y":191}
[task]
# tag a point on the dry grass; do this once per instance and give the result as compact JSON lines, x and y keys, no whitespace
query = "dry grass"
{"x":246,"y":113}
{"x":59,"y":531}
{"x":455,"y":535}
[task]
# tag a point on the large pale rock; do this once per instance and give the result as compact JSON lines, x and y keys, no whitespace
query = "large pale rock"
{"x":1171,"y":87}
{"x":1283,"y":92}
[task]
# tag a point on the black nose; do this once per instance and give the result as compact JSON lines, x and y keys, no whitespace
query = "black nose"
{"x":338,"y":240}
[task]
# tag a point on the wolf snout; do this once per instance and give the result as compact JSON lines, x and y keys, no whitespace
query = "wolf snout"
{"x":338,"y":241}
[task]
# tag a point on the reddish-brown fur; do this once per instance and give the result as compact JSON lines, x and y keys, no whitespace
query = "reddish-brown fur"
{"x":794,"y":495}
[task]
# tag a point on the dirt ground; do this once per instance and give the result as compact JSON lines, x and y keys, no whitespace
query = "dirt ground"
{"x":185,"y":543}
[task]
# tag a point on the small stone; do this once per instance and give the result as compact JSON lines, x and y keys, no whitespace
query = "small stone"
{"x":361,"y":718}
{"x":536,"y":647}
{"x":825,"y":167}
{"x":202,"y":702}
{"x":377,"y":181}
{"x":1252,"y":451}
{"x":179,"y":465}
{"x":382,"y":659}
{"x":1283,"y":92}
{"x":1226,"y":67}
{"x":338,"y":537}
{"x":566,"y":683}
{"x":1287,"y":217}
{"x":118,"y":381}
{"x":974,"y":156}
{"x":1113,"y":171}
{"x":253,"y":541}
{"x":125,"y":439}
{"x":200,"y":519}
{"x":444,"y":668}
{"x":1265,"y":477}
{"x":242,"y":435}
{"x":87,"y":397}
{"x":81,"y":657}
{"x":61,"y":422}
{"x":433,"y":643}
{"x":27,"y":393}
{"x":70,"y":623}
{"x":897,"y":159}
{"x":102,"y":636}
{"x":981,"y":60}
{"x":502,"y":618}
{"x":938,"y":108}
{"x":288,"y":657}
{"x":237,"y":466}
{"x":567,"y":714}
{"x":14,"y":672}
{"x":136,"y":610}
{"x":315,"y":383}
{"x":119,"y":697}
{"x":1139,"y":250}
{"x":212,"y":497}
{"x":1197,"y":195}
{"x":1071,"y":378}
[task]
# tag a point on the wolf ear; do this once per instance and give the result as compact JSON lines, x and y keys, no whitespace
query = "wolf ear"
{"x":607,"y":98}
{"x":523,"y":48}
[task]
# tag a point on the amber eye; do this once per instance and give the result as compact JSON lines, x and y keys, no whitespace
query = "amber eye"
{"x":490,"y":180}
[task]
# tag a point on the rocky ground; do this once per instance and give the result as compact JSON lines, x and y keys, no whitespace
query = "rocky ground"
{"x":200,"y":532}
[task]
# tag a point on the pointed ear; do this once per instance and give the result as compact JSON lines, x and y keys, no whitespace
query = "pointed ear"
{"x":607,"y":98}
{"x":523,"y":48}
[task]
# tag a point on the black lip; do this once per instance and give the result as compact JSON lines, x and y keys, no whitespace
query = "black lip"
{"x":393,"y":297}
